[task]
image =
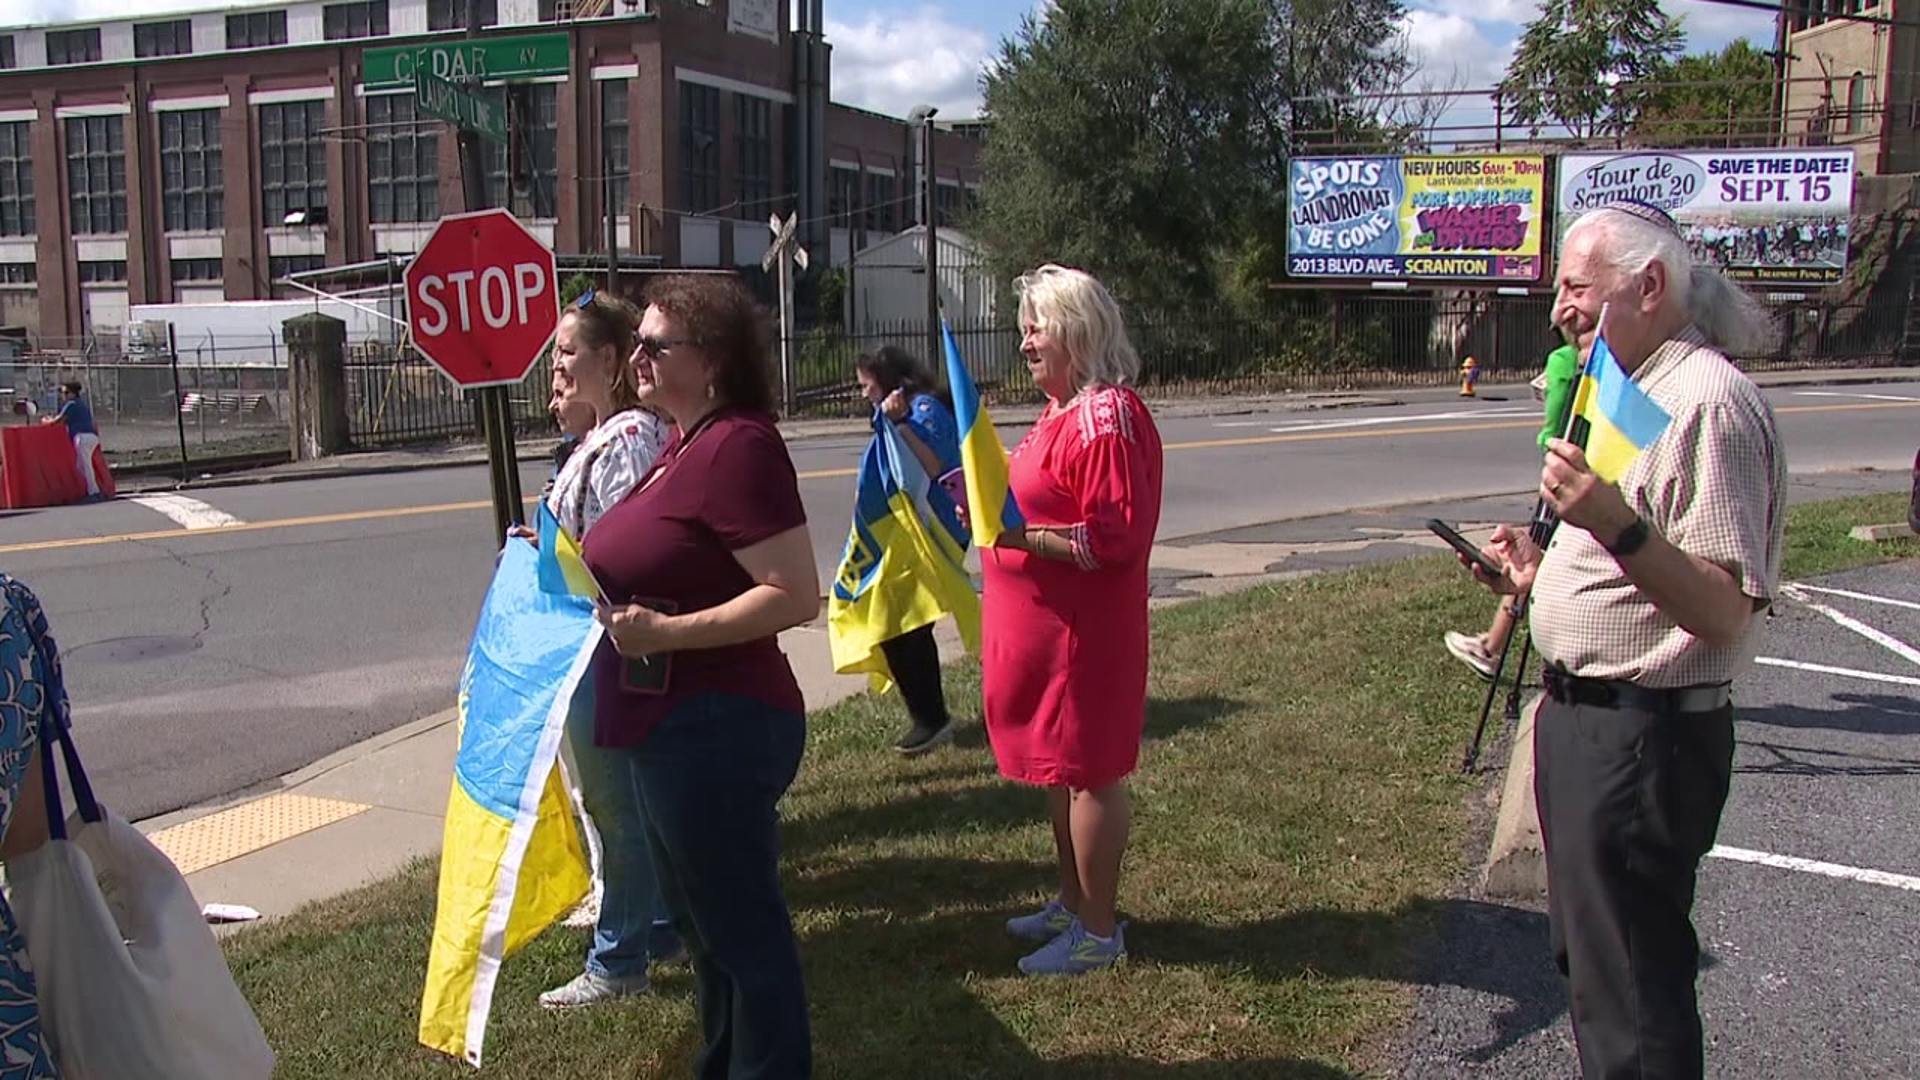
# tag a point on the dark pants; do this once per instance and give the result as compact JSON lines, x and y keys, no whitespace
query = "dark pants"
{"x":914,"y":660}
{"x":712,"y":775}
{"x":1629,"y":805}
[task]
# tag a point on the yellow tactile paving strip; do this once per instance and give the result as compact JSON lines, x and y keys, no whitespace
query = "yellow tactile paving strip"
{"x":244,"y":829}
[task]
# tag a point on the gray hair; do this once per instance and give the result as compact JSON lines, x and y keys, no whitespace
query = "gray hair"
{"x":1074,"y":307}
{"x":1730,"y":318}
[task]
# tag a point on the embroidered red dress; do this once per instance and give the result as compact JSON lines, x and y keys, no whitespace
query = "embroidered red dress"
{"x":1064,"y":644}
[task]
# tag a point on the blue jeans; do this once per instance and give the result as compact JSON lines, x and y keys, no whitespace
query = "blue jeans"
{"x":712,"y":775}
{"x":633,"y":925}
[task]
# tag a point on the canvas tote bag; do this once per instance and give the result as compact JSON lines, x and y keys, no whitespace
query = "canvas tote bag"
{"x":131,"y":981}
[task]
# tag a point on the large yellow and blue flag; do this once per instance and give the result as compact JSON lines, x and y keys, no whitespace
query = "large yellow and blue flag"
{"x":991,"y":509}
{"x":512,"y":863}
{"x":1621,"y":419}
{"x":901,"y":569}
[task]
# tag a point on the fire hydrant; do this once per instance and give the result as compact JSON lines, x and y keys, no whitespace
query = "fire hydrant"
{"x":1469,"y":374}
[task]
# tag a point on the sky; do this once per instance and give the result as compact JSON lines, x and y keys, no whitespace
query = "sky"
{"x":890,"y":55}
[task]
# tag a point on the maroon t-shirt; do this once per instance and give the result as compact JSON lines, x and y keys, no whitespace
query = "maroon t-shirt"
{"x":672,"y":541}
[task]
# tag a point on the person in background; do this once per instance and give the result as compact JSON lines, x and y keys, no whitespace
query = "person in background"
{"x":78,"y":417}
{"x":596,"y":386}
{"x":1482,"y":653}
{"x":1064,"y":610}
{"x":705,"y":564}
{"x":33,"y":704}
{"x":1646,"y":607}
{"x":902,"y":388}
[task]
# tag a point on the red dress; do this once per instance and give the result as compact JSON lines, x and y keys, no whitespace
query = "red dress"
{"x":1064,"y":644}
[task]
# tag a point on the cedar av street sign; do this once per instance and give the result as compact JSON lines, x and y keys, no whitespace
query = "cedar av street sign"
{"x":527,"y":56}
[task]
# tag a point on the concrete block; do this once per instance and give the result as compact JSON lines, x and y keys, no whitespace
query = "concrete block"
{"x":1516,"y":862}
{"x":1873,"y":534}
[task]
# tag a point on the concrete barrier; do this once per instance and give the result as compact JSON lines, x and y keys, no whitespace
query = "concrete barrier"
{"x":1516,"y":862}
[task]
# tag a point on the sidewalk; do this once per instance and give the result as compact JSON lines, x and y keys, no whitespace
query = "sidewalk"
{"x":455,"y":455}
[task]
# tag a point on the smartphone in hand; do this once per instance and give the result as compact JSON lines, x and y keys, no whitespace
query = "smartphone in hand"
{"x":1462,"y":545}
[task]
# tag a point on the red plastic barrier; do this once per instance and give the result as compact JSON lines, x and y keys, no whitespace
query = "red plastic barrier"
{"x":103,"y":473}
{"x":37,"y":467}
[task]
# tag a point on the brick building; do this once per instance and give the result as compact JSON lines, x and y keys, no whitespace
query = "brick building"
{"x":1851,"y":77}
{"x":204,"y":156}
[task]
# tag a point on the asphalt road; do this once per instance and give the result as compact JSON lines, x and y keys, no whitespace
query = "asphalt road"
{"x":1808,"y":970}
{"x":203,"y":661}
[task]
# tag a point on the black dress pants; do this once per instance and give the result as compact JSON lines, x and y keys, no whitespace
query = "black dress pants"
{"x":1629,"y":803}
{"x":914,"y":660}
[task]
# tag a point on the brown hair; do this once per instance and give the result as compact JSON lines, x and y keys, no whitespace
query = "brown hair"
{"x":604,"y":321}
{"x":718,"y":314}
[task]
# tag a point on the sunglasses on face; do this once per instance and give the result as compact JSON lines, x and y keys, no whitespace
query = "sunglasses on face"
{"x":651,"y":347}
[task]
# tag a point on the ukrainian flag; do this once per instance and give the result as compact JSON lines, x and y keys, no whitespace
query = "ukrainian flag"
{"x":901,"y":569}
{"x":512,"y":862}
{"x":563,"y":569}
{"x":990,"y":506}
{"x":1621,"y":419}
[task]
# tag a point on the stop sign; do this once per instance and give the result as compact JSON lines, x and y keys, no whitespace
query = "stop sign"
{"x":482,"y":298}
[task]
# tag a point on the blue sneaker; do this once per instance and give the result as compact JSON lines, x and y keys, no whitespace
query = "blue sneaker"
{"x":1077,"y":952}
{"x":1043,"y":925}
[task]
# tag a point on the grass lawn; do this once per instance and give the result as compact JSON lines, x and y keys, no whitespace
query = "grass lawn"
{"x":1300,"y":819}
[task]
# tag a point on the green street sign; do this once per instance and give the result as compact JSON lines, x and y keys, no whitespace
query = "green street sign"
{"x":472,"y":106}
{"x":481,"y":59}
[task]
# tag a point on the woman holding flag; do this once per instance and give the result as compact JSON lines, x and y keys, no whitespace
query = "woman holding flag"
{"x":591,"y":375}
{"x":1064,"y":641}
{"x":901,"y":387}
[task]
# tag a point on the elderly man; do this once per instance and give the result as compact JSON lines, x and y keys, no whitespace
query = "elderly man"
{"x":1645,"y":608}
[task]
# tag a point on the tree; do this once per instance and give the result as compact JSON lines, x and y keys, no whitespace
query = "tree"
{"x":1146,"y":140}
{"x":1590,"y":65}
{"x":1722,"y":99}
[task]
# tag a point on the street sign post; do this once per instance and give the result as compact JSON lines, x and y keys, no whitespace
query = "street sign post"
{"x":526,"y":56}
{"x":783,"y":252}
{"x":483,"y":301}
{"x":481,"y":109}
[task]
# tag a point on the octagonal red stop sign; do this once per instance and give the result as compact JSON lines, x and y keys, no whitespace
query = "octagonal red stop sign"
{"x":482,"y":298}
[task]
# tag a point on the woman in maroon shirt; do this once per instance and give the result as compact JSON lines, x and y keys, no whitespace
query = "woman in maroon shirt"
{"x":704,"y":564}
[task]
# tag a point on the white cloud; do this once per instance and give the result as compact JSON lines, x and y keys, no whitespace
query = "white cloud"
{"x":1710,"y":26}
{"x":891,"y":63}
{"x":34,"y":12}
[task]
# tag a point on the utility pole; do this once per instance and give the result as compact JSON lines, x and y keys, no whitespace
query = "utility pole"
{"x":923,"y":115}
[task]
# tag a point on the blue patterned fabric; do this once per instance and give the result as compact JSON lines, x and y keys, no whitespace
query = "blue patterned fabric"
{"x":31,"y":695}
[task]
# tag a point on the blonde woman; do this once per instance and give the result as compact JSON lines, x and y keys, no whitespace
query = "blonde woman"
{"x":1064,"y":650}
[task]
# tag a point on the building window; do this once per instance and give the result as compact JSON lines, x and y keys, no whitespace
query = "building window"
{"x":293,"y":159}
{"x":699,"y":148}
{"x":196,"y":270}
{"x":1856,"y":103}
{"x":190,"y":177}
{"x":256,"y":29}
{"x":16,"y":180}
{"x":946,"y":204}
{"x":363,"y":19}
{"x":8,"y":61}
{"x":97,"y":173}
{"x":171,"y":38}
{"x":882,"y":214}
{"x":18,"y":273}
{"x":843,"y":195}
{"x":452,"y":14}
{"x":614,"y":136}
{"x":537,"y":159}
{"x":752,"y":156}
{"x":403,"y":161}
{"x":73,"y":46}
{"x":279,"y":266}
{"x":103,"y":271}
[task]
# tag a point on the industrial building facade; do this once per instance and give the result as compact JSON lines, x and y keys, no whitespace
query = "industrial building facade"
{"x":201,"y":157}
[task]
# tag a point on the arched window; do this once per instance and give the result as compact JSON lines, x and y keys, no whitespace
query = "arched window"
{"x":1856,"y":103}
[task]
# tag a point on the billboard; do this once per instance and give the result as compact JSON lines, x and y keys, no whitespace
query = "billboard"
{"x":1474,"y":217}
{"x":1774,"y":216}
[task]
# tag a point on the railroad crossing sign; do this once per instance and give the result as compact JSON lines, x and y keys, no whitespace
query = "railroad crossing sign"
{"x":482,"y":298}
{"x":784,"y":252}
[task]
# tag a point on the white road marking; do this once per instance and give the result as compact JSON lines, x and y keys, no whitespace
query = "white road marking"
{"x":1374,"y":421}
{"x":1886,"y":641}
{"x":1867,"y":397}
{"x":1828,"y":669}
{"x":1811,"y":866}
{"x":188,"y":513}
{"x":1868,"y":597}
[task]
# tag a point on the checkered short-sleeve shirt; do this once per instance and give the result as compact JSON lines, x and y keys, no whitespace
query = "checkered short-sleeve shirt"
{"x":1715,"y":486}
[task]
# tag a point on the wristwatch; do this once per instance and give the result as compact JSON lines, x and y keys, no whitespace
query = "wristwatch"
{"x":1630,"y":539}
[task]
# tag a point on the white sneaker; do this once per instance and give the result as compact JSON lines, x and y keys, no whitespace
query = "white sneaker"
{"x":588,"y":988}
{"x":588,"y":913}
{"x":1471,"y":650}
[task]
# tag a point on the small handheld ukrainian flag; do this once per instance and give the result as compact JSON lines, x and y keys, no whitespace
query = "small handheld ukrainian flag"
{"x":991,"y":509}
{"x":563,"y":569}
{"x":1621,"y":419}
